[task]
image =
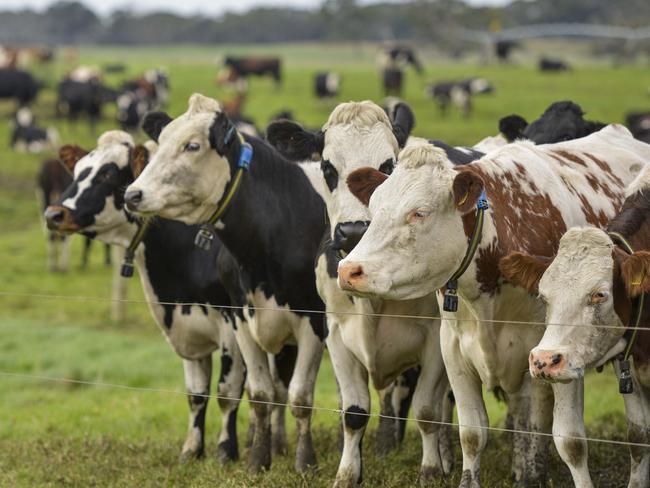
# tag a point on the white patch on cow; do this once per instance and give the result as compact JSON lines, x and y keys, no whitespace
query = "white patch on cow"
{"x":24,"y":117}
{"x":272,"y":325}
{"x":185,"y":185}
{"x":332,"y":82}
{"x":640,"y":183}
{"x":315,"y":175}
{"x":490,"y":143}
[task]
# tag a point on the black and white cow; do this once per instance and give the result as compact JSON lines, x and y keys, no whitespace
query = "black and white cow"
{"x":553,"y":65}
{"x":273,"y":226}
{"x":362,"y":342}
{"x":18,"y":85}
{"x":28,"y":137}
{"x":327,"y":85}
{"x":76,"y":98}
{"x":459,"y":93}
{"x":172,"y":270}
{"x":639,"y":125}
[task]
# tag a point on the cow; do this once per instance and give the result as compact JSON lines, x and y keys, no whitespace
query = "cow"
{"x":399,"y":56}
{"x":139,"y":96}
{"x":553,"y":65}
{"x":183,"y":285}
{"x":19,"y":85}
{"x":243,"y":67}
{"x":639,"y":125}
{"x":327,"y":85}
{"x":459,"y":93}
{"x":430,"y":230}
{"x":392,"y":81}
{"x":76,"y":98}
{"x":503,"y":48}
{"x":362,"y":342}
{"x":26,"y":136}
{"x":592,"y":287}
{"x":273,"y":226}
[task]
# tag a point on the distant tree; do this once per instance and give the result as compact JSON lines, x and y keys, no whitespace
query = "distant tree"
{"x":72,"y":22}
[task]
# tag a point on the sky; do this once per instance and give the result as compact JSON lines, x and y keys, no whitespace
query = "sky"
{"x":187,"y":7}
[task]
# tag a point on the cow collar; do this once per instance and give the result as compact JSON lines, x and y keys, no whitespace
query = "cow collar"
{"x":205,"y":235}
{"x":127,"y":265}
{"x":625,"y":385}
{"x":450,"y":302}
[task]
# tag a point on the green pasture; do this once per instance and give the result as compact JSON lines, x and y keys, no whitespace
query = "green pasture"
{"x":61,"y":434}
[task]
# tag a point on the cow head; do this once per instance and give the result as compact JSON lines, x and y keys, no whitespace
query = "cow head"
{"x":589,"y":283}
{"x":196,"y":159}
{"x":356,"y":135}
{"x":94,"y":202}
{"x":562,"y":121}
{"x":415,"y":240}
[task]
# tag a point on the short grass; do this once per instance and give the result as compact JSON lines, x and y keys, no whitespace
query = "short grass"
{"x":58,"y":434}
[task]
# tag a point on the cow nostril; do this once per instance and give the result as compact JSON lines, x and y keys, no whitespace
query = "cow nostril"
{"x":133,"y":197}
{"x":556,"y":359}
{"x":54,"y":217}
{"x":357,"y":273}
{"x":540,"y":364}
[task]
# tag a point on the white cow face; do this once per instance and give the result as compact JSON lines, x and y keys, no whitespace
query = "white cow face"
{"x":94,"y":202}
{"x":415,"y":240}
{"x":584,"y":287}
{"x":189,"y":173}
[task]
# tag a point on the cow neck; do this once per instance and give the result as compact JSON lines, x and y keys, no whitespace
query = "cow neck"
{"x":275,"y":203}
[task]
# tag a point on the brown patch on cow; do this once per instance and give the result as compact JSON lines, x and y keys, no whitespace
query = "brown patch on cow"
{"x":470,"y":442}
{"x":364,"y":181}
{"x":605,"y":168}
{"x":635,"y":271}
{"x":524,"y":270}
{"x":70,"y":154}
{"x":487,"y":269}
{"x":596,"y":219}
{"x":559,"y":159}
{"x":576,"y":450}
{"x":571,"y":157}
{"x":467,"y":188}
{"x":139,"y":160}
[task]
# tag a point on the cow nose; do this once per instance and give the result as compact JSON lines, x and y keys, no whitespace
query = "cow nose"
{"x":348,"y":234}
{"x":133,"y":198}
{"x":546,"y":364}
{"x":54,"y":217}
{"x":351,"y":276}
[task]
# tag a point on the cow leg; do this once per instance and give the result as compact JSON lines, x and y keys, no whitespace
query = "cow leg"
{"x":402,"y":397}
{"x":387,"y":430}
{"x":198,"y":373}
{"x":446,"y":431}
{"x":108,"y":258}
{"x":85,"y":253}
{"x":52,"y":263}
{"x":352,"y":378}
{"x":119,"y":288}
{"x":637,"y":412}
{"x":472,"y":416}
{"x":260,"y":394}
{"x":430,"y":392}
{"x":282,"y":365}
{"x":64,"y":254}
{"x":568,"y":421}
{"x":229,"y":390}
{"x":518,"y":419}
{"x":301,"y":392}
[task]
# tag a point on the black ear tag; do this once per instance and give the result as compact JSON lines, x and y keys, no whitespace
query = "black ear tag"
{"x":625,"y":385}
{"x":127,"y":265}
{"x":204,"y":237}
{"x":450,"y":300}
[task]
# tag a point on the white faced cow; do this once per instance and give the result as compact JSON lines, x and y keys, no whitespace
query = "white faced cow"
{"x":591,"y":288}
{"x":359,"y":134}
{"x":272,"y":225}
{"x":422,"y":217}
{"x":172,"y":270}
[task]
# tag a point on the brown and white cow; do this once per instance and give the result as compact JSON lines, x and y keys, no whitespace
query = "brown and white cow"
{"x":589,"y":286}
{"x":422,"y":216}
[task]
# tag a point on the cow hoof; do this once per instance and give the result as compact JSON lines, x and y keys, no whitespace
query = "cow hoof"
{"x":279,"y":445}
{"x":429,"y":475}
{"x":259,"y":458}
{"x":467,"y":481}
{"x":190,"y":455}
{"x":227,"y":452}
{"x":305,"y":454}
{"x":386,"y":437}
{"x":347,"y":480}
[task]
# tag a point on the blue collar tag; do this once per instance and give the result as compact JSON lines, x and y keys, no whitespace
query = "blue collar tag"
{"x":482,"y":202}
{"x":245,"y":156}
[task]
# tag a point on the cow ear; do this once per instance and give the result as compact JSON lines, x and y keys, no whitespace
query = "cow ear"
{"x":364,"y":181}
{"x":402,"y":119}
{"x":635,"y":271}
{"x":512,"y":127}
{"x":467,"y":189}
{"x":70,"y":154}
{"x":139,"y":160}
{"x":591,"y":126}
{"x":294,"y":142}
{"x":154,"y":122}
{"x":524,"y":270}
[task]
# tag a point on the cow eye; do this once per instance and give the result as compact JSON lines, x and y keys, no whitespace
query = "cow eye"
{"x":599,"y":296}
{"x":330,"y":174}
{"x":387,"y":167}
{"x":192,"y":147}
{"x":417,"y":215}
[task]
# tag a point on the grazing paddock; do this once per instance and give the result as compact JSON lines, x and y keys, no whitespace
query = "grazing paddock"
{"x":58,"y":433}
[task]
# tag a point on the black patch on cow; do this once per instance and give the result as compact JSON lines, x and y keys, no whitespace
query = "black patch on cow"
{"x":355,"y":417}
{"x":186,"y":309}
{"x":456,"y":156}
{"x":387,"y":166}
{"x":226,"y":366}
{"x":330,"y":174}
{"x":154,"y":122}
{"x":562,"y":121}
{"x":285,"y":362}
{"x":512,"y":127}
{"x":294,"y":142}
{"x":229,"y":446}
{"x":169,"y":315}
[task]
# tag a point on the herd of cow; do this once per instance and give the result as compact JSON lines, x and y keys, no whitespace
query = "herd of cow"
{"x":417,"y":264}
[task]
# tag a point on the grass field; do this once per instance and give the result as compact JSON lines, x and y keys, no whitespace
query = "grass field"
{"x":58,"y":434}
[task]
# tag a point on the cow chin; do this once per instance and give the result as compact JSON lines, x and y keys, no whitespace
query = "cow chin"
{"x":564,"y":375}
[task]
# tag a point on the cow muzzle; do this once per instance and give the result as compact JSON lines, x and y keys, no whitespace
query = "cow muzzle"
{"x":550,"y":365}
{"x":348,"y":234}
{"x":352,"y":277}
{"x":133,"y":199}
{"x":59,"y":218}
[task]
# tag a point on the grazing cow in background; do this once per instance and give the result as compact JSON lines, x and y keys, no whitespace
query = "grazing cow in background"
{"x":594,"y":279}
{"x":459,"y":93}
{"x":362,"y":342}
{"x":392,"y":60}
{"x":27,"y":137}
{"x":76,"y":98}
{"x":503,"y":48}
{"x":393,"y":78}
{"x":639,"y":125}
{"x":327,"y":85}
{"x":139,"y":96}
{"x":243,"y":67}
{"x":172,"y":271}
{"x":19,"y":85}
{"x":553,"y":65}
{"x":273,"y":226}
{"x":428,"y":208}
